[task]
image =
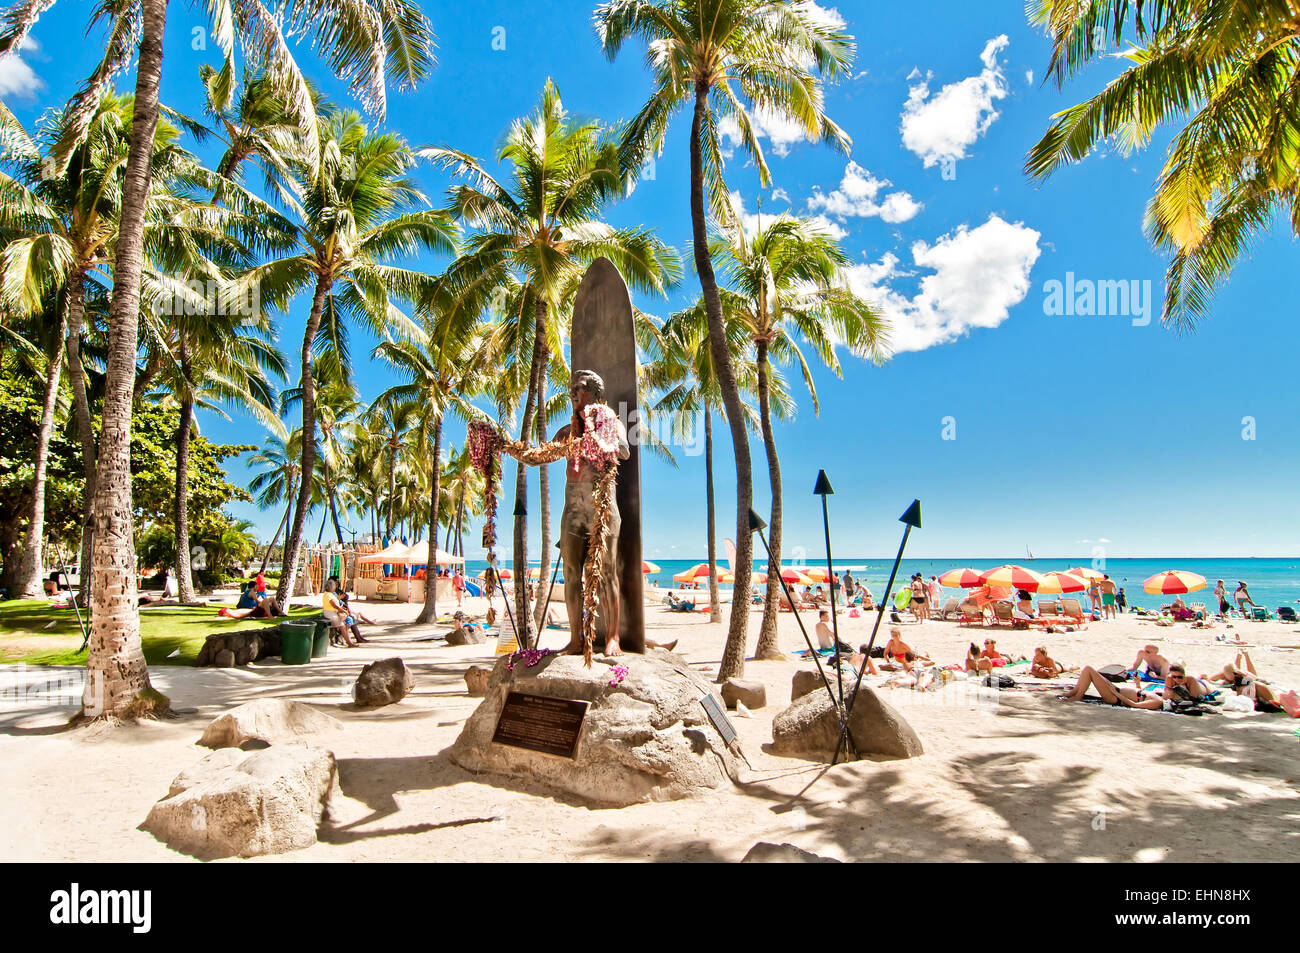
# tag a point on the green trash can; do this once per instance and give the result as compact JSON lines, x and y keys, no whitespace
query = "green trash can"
{"x":320,"y":643}
{"x":295,"y":642}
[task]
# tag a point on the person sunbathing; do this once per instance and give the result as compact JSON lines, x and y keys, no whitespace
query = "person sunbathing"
{"x":1118,"y":695}
{"x":976,"y":662}
{"x":1178,"y":609}
{"x":1246,"y":682}
{"x":902,"y":653}
{"x":861,"y":659}
{"x":1156,"y":663}
{"x":1044,"y":666}
{"x":250,"y":606}
{"x":1023,"y":609}
{"x":1179,"y":686}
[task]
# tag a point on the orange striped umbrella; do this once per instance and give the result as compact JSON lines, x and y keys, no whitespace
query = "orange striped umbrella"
{"x":649,"y":568}
{"x":816,"y":574}
{"x":790,"y":574}
{"x":961,"y":579}
{"x":1091,"y":575}
{"x":1173,"y":582}
{"x":1054,"y":582}
{"x":1016,"y":577}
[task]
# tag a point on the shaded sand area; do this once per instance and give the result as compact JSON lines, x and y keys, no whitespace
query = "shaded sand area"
{"x":1022,"y":777}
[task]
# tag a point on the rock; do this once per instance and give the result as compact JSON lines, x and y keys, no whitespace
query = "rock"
{"x":270,"y":721}
{"x":225,"y":659}
{"x":383,"y":683}
{"x":767,"y":853}
{"x":810,"y":727}
{"x":476,"y":679}
{"x":466,"y":635}
{"x":249,"y":644}
{"x":752,"y":693}
{"x":236,"y":804}
{"x":805,"y":682}
{"x":645,"y":739}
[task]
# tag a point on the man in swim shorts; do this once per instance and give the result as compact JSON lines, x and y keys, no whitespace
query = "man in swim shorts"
{"x":1108,"y":591}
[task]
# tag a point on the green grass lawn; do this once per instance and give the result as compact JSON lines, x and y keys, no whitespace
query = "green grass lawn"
{"x":32,"y":632}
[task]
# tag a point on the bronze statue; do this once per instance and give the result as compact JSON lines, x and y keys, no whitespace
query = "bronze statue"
{"x":576,"y":523}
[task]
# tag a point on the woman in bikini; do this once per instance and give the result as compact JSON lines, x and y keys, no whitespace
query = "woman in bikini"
{"x":902,"y":653}
{"x":1247,"y":682}
{"x":1119,"y":695}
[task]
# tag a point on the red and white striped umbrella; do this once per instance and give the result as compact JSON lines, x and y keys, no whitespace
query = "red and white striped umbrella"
{"x":1173,"y":582}
{"x":1062,"y":582}
{"x":1017,"y":577}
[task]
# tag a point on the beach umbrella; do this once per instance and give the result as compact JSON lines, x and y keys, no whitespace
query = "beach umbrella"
{"x":1088,"y":574}
{"x":792,"y":575}
{"x":961,"y":579}
{"x":649,"y":568}
{"x":1054,"y":582}
{"x":1173,"y":582}
{"x":697,"y":573}
{"x":816,"y":574}
{"x":755,"y":579}
{"x":1016,"y":577}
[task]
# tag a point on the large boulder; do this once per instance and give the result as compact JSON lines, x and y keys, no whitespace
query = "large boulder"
{"x":382,"y":683}
{"x":477,"y":678}
{"x":804,"y":682}
{"x":810,"y":726}
{"x":644,"y":738}
{"x":267,"y":721}
{"x":237,"y":804}
{"x":466,"y":635}
{"x":245,"y":645}
{"x":765,"y":852}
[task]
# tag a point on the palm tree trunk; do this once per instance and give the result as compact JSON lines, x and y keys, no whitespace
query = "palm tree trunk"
{"x":274,"y":539}
{"x":768,"y":647}
{"x":307,"y":386}
{"x":520,"y":566}
{"x":544,"y":504}
{"x":29,"y":583}
{"x":184,"y":579}
{"x":460,"y":523}
{"x":715,"y":603}
{"x":392,"y":486}
{"x":331,"y":491}
{"x":85,"y":426}
{"x":117,"y":676}
{"x":733,"y":655}
{"x":429,"y":613}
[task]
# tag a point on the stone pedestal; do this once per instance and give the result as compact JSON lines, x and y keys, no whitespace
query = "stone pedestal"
{"x":646,"y":738}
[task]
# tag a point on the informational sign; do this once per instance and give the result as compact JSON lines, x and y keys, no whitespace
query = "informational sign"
{"x":507,"y":639}
{"x":719,"y":718}
{"x":541,"y":723}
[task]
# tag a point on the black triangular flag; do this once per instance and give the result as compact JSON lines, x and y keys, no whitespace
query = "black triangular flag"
{"x":521,"y":509}
{"x":823,"y":487}
{"x":756,"y":522}
{"x":913,"y":515}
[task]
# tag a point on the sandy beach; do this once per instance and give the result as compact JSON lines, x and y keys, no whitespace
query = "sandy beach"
{"x":1018,"y":777}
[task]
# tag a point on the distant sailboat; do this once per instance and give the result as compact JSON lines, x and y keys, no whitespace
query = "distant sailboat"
{"x":1029,"y":553}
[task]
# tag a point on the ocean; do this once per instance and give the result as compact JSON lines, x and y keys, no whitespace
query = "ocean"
{"x":1272,"y":582}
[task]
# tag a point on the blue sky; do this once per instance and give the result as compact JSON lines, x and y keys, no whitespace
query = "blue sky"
{"x":1071,"y":431}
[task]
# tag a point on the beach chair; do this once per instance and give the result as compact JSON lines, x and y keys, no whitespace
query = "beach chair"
{"x":1002,"y":614}
{"x":1072,"y":608}
{"x":1259,"y":614}
{"x":1287,"y":614}
{"x":971,"y":613}
{"x":1049,"y":607}
{"x":951,"y":607}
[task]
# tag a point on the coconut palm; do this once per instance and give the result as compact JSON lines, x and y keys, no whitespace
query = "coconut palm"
{"x":393,"y":420}
{"x":446,"y":365}
{"x":1228,"y":73}
{"x":537,"y":231}
{"x":360,"y":212}
{"x":364,"y":41}
{"x":686,"y":379}
{"x":276,"y":482}
{"x":724,"y":58}
{"x":789,"y":287}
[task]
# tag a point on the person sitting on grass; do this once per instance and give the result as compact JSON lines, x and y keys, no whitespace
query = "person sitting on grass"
{"x":250,"y":606}
{"x":1119,"y":695}
{"x":1044,"y":666}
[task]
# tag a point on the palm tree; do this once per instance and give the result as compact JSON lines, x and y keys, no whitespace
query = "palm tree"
{"x":463,"y":484}
{"x":393,"y":420}
{"x":788,"y":281}
{"x":277,"y":481}
{"x":389,"y":37}
{"x":687,"y":380}
{"x":360,"y":211}
{"x":448,"y":364}
{"x":718,"y":55}
{"x":534,"y":239}
{"x":1228,"y":72}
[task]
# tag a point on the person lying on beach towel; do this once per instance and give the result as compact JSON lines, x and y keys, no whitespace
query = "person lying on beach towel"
{"x":251,"y":607}
{"x":1248,"y":683}
{"x":1044,"y":666}
{"x":1150,"y":656}
{"x":898,"y":651}
{"x":862,"y":659}
{"x":1119,"y":695}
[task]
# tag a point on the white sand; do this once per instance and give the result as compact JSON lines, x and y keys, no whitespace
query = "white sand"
{"x":1027,"y":778}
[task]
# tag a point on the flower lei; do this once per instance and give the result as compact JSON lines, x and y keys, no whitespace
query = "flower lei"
{"x":529,"y":657}
{"x":617,"y":674}
{"x":596,"y":446}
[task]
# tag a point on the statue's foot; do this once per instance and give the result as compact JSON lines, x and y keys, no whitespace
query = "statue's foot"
{"x":572,"y":649}
{"x":612,"y":647}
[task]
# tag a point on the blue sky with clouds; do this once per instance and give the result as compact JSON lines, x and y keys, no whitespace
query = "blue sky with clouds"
{"x":1015,"y":424}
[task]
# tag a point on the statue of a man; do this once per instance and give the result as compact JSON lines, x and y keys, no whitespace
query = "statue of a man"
{"x":585,"y":388}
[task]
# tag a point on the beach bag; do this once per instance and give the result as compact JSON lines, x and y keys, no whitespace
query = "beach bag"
{"x":1114,"y":673}
{"x":998,"y":681}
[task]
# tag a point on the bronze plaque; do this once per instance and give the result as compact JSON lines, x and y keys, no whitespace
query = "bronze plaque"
{"x":539,"y":723}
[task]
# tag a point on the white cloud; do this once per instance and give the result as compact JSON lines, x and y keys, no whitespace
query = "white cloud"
{"x":1029,"y":77}
{"x":16,"y":77}
{"x":943,"y":126}
{"x":859,"y":197}
{"x":780,"y":195}
{"x":783,"y":132}
{"x":977,"y":276}
{"x":750,"y":220}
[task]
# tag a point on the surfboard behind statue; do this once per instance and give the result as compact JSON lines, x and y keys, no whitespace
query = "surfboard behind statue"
{"x":603,"y":340}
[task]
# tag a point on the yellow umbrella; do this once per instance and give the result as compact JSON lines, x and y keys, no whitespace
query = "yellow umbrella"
{"x":1089,"y":574}
{"x":1014,"y":577}
{"x":1173,"y":582}
{"x":649,"y":568}
{"x":1054,"y":582}
{"x":817,"y":574}
{"x":961,"y":579}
